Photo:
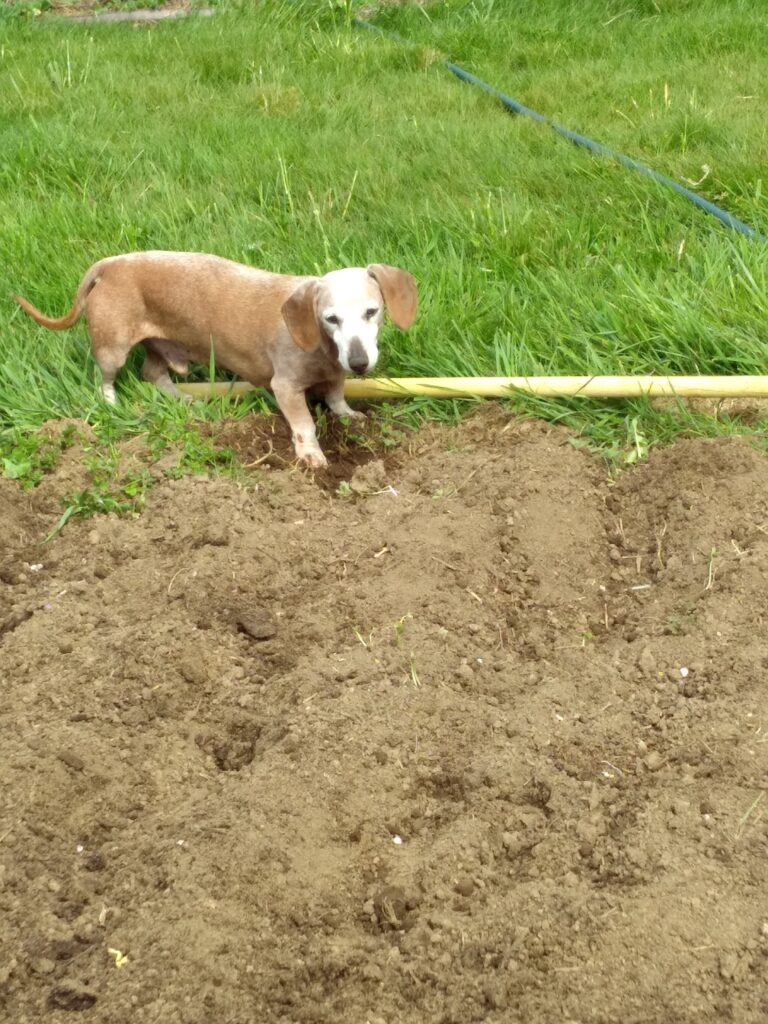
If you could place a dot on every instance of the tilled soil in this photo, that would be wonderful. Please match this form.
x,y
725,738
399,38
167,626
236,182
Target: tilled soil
x,y
482,737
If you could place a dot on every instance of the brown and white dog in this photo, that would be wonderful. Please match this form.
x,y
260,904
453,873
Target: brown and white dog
x,y
290,334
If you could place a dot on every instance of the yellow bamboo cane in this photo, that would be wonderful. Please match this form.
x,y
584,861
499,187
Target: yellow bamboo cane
x,y
505,387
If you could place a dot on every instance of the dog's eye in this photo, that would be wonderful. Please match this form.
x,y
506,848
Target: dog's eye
x,y
371,313
331,318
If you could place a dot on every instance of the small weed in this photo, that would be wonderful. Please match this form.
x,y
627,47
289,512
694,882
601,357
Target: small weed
x,y
744,819
28,457
619,453
361,639
25,8
112,490
109,491
639,444
346,8
399,628
196,455
681,622
714,554
381,434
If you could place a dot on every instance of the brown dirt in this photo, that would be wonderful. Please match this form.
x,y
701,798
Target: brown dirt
x,y
77,8
488,745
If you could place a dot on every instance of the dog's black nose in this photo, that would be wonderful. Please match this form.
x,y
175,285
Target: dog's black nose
x,y
358,360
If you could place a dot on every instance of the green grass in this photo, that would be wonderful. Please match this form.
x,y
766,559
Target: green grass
x,y
278,135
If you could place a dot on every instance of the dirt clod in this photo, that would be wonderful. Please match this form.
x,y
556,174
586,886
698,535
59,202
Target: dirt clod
x,y
257,625
71,760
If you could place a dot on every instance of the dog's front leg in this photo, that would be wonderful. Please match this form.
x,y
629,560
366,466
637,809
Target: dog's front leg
x,y
337,403
293,405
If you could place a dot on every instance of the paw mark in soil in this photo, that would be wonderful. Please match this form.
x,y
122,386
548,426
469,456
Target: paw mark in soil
x,y
241,744
446,784
538,794
15,619
71,995
233,752
392,909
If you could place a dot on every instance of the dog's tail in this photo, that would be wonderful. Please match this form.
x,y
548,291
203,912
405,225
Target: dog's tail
x,y
69,319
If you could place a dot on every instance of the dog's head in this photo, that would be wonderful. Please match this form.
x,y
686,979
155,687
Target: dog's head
x,y
347,306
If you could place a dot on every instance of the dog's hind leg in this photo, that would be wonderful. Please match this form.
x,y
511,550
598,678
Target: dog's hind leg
x,y
155,368
110,360
110,346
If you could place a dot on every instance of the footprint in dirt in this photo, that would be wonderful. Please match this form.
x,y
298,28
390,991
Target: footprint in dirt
x,y
240,745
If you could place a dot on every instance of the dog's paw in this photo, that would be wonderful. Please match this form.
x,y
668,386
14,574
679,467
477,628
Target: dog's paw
x,y
345,413
312,459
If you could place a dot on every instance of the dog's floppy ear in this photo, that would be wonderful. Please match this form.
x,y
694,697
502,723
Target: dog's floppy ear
x,y
300,314
399,290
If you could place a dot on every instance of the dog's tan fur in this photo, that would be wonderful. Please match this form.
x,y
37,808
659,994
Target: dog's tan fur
x,y
267,328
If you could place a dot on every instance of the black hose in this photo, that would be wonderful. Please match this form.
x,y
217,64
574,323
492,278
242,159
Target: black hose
x,y
581,140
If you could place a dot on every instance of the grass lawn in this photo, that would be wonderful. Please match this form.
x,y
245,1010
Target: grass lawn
x,y
279,135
